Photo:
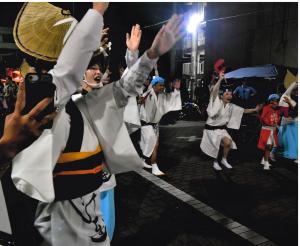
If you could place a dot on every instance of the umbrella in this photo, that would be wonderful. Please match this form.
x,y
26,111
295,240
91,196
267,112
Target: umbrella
x,y
266,71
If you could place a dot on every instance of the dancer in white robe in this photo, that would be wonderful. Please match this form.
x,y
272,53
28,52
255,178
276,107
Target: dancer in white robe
x,y
155,104
222,114
288,130
74,219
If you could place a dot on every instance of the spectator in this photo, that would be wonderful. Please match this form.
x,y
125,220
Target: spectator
x,y
244,93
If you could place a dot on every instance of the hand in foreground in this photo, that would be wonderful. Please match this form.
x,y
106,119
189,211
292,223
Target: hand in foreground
x,y
21,130
165,39
133,40
101,7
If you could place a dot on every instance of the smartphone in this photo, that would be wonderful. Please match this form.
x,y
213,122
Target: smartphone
x,y
39,87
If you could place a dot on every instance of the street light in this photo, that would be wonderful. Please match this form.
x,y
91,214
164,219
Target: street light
x,y
194,21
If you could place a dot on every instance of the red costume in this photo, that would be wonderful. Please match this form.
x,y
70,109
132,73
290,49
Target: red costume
x,y
270,119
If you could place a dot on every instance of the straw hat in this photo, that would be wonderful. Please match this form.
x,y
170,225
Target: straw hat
x,y
40,29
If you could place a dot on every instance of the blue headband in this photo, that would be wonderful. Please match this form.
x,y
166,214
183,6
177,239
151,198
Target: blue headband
x,y
157,80
273,97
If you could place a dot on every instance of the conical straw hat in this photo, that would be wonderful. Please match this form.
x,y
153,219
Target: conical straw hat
x,y
35,32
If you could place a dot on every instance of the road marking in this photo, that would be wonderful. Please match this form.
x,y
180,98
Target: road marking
x,y
190,138
228,223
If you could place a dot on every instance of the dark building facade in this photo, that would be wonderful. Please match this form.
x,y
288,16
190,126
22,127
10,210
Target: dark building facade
x,y
250,34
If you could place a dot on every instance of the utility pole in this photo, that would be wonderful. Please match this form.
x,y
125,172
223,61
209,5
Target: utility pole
x,y
195,57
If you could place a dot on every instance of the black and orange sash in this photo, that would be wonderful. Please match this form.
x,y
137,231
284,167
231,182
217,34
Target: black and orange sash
x,y
77,173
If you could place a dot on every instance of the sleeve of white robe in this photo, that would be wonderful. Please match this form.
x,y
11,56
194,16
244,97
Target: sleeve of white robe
x,y
131,111
171,101
4,223
131,83
287,93
214,107
236,117
75,56
32,168
131,57
105,109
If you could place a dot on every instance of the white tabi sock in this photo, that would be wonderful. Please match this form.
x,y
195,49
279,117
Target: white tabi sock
x,y
267,165
156,171
216,165
225,163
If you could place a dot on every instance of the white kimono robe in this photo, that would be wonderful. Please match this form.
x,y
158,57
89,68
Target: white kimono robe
x,y
32,168
152,111
131,111
220,115
102,111
282,103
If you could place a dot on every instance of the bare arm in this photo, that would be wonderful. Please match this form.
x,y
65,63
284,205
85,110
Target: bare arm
x,y
216,88
131,82
156,70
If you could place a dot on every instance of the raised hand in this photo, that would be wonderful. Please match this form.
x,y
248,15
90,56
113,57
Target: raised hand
x,y
100,7
165,39
133,40
104,39
21,130
221,75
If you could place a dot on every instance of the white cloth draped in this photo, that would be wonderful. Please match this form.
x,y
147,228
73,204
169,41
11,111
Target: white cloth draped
x,y
152,111
220,115
282,103
4,223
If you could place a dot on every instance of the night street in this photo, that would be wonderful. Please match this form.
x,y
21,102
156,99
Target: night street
x,y
149,123
196,205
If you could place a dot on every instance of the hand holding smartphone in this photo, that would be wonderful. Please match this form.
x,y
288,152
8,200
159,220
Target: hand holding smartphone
x,y
38,87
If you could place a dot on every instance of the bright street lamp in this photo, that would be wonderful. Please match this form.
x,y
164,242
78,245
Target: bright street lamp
x,y
194,21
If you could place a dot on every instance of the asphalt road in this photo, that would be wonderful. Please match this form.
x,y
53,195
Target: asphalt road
x,y
265,202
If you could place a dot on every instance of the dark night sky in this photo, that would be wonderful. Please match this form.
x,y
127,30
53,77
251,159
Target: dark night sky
x,y
119,18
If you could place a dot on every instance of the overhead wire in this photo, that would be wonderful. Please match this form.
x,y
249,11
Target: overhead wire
x,y
215,19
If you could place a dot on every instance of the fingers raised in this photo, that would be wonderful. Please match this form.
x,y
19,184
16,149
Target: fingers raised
x,y
39,107
136,30
105,31
171,21
177,22
21,98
